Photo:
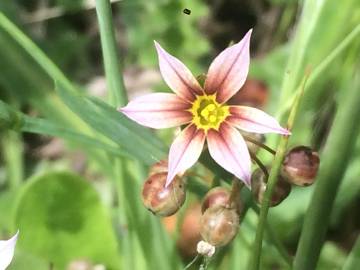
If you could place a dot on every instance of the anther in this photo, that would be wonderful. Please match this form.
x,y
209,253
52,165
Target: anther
x,y
212,118
211,107
205,113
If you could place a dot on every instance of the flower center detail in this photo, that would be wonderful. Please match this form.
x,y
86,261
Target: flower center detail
x,y
208,113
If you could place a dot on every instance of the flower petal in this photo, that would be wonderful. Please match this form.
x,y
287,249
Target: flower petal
x,y
177,76
7,249
185,151
228,148
228,71
254,120
158,110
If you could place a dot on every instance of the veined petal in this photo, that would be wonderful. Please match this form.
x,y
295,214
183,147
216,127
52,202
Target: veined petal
x,y
177,76
158,110
228,71
7,249
228,148
185,151
254,120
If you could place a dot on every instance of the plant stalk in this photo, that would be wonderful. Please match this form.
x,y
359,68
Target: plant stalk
x,y
273,177
113,69
336,157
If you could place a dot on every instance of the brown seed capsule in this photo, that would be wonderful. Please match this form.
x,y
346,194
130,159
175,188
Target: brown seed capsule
x,y
219,225
219,196
300,166
189,231
159,167
160,200
258,187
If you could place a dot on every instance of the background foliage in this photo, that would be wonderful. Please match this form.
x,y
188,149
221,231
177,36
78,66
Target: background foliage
x,y
72,167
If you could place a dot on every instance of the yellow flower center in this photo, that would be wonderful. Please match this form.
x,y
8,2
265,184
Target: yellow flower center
x,y
208,113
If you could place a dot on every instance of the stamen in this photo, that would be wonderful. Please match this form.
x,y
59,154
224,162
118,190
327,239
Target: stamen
x,y
211,107
208,113
205,113
212,118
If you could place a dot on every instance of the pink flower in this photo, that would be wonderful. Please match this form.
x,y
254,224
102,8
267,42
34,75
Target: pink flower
x,y
7,251
205,112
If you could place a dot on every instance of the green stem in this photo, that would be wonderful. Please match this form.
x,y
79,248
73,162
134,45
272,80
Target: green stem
x,y
117,97
273,177
12,147
112,65
260,164
311,12
336,156
273,238
260,144
35,52
324,64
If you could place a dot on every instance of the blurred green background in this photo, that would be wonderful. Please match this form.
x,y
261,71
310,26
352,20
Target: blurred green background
x,y
71,168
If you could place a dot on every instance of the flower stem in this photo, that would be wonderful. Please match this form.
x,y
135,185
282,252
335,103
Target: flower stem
x,y
263,146
336,157
273,238
113,69
235,190
273,177
260,164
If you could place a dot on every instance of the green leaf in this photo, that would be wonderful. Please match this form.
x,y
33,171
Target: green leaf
x,y
23,260
138,141
60,218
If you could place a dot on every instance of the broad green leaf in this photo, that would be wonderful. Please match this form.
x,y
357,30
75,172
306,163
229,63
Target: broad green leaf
x,y
61,218
23,260
138,141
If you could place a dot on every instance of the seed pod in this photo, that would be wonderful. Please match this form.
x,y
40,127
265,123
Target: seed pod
x,y
219,225
160,200
258,187
300,166
253,148
159,167
219,196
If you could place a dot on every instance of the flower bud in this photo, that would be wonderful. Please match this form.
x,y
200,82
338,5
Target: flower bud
x,y
159,167
219,225
160,200
220,196
84,265
300,166
258,186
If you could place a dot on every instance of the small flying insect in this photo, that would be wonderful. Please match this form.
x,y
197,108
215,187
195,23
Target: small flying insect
x,y
187,11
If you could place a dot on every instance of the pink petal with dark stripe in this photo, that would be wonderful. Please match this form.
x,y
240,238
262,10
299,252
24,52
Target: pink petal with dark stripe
x,y
158,110
228,71
177,76
228,148
254,120
185,151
